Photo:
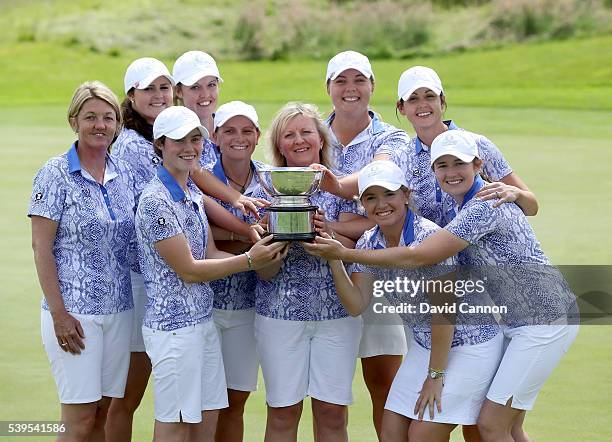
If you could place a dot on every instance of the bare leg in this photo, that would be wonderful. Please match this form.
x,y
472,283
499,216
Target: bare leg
x,y
170,431
204,431
422,431
518,434
331,421
496,421
82,420
394,427
230,427
471,433
282,423
378,374
121,411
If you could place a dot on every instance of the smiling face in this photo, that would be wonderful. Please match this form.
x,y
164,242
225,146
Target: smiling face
x,y
385,207
201,97
95,124
237,138
423,108
455,176
300,142
350,92
153,99
181,156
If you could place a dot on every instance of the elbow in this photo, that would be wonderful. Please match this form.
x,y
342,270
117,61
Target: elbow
x,y
189,277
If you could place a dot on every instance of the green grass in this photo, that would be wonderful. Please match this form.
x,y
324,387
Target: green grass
x,y
547,106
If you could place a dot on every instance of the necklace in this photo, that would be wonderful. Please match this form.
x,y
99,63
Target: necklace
x,y
242,186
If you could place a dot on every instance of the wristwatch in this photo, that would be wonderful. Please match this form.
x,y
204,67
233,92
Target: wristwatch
x,y
435,374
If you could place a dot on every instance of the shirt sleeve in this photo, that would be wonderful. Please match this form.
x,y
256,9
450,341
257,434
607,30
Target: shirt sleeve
x,y
477,219
362,243
156,220
495,165
48,193
392,142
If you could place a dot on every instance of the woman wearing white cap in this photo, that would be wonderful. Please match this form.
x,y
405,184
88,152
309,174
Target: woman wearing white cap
x,y
358,137
148,87
236,133
470,352
177,257
306,341
422,101
501,249
82,212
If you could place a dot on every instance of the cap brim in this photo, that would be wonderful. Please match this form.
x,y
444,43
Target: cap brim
x,y
337,73
466,158
407,93
180,132
226,119
151,78
386,184
192,79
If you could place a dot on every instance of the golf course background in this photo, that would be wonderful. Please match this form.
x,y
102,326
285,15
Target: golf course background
x,y
547,105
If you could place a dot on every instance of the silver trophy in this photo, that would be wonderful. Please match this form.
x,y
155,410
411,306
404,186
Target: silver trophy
x,y
291,212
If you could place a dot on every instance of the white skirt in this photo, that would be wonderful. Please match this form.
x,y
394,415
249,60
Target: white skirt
x,y
469,372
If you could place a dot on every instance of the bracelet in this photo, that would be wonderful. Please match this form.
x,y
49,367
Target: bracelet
x,y
435,374
249,260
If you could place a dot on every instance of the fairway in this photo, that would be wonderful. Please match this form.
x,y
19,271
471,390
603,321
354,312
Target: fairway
x,y
547,106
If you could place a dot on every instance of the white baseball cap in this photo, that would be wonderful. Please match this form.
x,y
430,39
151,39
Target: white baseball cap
x,y
458,143
417,77
175,122
193,65
381,173
348,60
143,71
233,109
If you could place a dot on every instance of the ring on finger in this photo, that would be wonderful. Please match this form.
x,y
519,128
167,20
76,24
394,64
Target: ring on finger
x,y
497,194
63,344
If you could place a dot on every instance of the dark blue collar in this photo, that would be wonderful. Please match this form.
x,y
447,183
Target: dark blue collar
x,y
218,171
377,125
170,183
478,184
418,145
407,231
74,164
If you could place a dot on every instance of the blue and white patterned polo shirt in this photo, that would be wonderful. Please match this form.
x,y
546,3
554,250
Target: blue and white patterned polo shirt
x,y
303,289
138,152
165,211
471,330
237,291
95,232
504,250
427,197
210,155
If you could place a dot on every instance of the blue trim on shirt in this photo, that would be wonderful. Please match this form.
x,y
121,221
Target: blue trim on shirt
x,y
377,125
476,186
407,231
219,172
170,183
418,146
74,164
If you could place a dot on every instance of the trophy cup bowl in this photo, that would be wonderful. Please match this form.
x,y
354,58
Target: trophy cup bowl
x,y
291,212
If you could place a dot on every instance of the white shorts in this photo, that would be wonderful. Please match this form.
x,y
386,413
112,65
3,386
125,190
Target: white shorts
x,y
307,358
140,301
102,367
378,338
530,357
237,336
187,370
469,372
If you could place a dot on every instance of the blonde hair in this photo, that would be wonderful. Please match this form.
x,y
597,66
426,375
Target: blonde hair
x,y
94,89
278,125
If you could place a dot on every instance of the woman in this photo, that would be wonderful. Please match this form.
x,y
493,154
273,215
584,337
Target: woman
x,y
82,212
447,369
306,341
236,133
177,257
359,137
148,87
499,245
422,101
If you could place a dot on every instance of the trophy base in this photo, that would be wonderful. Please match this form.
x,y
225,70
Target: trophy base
x,y
293,236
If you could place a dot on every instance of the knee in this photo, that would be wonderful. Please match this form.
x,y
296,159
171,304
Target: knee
x,y
490,430
125,405
331,416
82,427
284,418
